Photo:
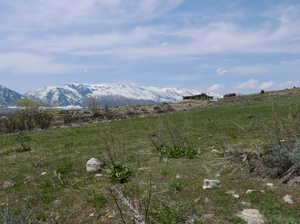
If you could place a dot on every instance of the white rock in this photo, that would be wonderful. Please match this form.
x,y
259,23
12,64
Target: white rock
x,y
249,191
98,175
43,173
233,194
252,216
210,184
271,185
93,165
8,184
288,199
248,204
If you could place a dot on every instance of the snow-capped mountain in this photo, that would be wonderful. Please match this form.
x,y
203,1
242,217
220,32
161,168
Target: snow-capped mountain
x,y
8,97
115,94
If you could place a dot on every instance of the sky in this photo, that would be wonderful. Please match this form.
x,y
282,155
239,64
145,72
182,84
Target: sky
x,y
212,45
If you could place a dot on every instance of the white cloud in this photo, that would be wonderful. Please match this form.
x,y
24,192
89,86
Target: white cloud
x,y
70,12
244,70
24,63
155,41
253,84
215,88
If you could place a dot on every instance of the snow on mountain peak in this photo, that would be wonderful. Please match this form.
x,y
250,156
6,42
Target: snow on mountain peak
x,y
75,94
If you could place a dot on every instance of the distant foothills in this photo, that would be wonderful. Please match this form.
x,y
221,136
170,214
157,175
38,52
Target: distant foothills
x,y
114,94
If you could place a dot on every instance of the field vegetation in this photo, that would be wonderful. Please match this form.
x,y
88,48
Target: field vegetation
x,y
155,167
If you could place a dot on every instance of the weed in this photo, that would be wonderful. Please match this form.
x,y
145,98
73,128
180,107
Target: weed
x,y
23,140
119,173
175,144
9,217
166,214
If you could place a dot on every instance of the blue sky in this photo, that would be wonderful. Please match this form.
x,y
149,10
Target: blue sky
x,y
214,45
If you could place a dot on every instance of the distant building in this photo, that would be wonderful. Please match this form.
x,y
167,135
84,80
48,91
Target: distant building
x,y
202,96
230,95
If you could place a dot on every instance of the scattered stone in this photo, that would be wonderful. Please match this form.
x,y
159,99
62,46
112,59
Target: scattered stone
x,y
210,184
192,219
57,203
252,216
94,165
207,216
206,200
233,194
8,184
143,168
28,179
98,175
43,173
288,199
247,204
294,182
215,151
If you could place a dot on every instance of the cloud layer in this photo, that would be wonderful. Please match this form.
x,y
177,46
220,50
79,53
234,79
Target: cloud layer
x,y
146,39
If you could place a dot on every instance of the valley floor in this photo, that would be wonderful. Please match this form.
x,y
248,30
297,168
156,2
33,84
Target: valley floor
x,y
50,183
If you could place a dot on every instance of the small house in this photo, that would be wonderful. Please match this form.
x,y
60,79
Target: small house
x,y
202,96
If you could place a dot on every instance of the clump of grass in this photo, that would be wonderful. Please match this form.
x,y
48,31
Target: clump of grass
x,y
172,143
9,217
117,169
119,173
26,120
280,156
24,141
167,214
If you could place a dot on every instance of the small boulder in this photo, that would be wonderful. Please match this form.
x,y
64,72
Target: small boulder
x,y
288,199
252,216
294,182
94,165
211,184
98,175
8,184
233,194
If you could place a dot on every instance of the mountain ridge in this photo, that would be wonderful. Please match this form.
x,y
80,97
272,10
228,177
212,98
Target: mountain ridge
x,y
110,94
9,97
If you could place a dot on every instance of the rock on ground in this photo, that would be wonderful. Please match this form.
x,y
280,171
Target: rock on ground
x,y
288,199
94,165
210,184
294,182
252,216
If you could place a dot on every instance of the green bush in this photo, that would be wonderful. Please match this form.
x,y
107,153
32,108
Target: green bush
x,y
27,120
24,142
9,217
177,151
119,173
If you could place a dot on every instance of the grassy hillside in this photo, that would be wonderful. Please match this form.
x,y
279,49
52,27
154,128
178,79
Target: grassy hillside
x,y
49,180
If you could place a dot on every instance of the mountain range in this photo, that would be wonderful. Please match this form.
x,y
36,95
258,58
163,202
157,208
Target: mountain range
x,y
9,97
115,94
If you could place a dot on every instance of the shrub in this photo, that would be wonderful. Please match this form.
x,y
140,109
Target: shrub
x,y
44,119
170,214
172,142
280,156
8,217
26,120
24,142
119,173
177,151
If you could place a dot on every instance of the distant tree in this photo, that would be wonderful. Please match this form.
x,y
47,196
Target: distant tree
x,y
28,104
93,103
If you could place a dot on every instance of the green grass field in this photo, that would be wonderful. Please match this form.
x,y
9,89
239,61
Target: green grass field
x,y
66,193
